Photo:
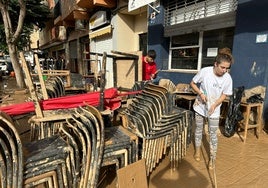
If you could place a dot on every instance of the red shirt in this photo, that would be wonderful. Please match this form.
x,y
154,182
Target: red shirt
x,y
148,69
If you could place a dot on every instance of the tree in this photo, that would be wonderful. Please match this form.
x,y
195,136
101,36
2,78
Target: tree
x,y
19,18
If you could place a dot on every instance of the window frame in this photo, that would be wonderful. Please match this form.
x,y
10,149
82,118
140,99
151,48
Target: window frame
x,y
199,56
225,34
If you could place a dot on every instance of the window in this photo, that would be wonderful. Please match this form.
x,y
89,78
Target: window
x,y
190,52
184,51
143,43
216,38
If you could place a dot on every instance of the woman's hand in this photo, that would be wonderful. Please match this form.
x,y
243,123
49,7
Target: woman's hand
x,y
203,97
212,109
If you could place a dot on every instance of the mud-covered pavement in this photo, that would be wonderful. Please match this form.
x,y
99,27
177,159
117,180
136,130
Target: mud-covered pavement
x,y
238,165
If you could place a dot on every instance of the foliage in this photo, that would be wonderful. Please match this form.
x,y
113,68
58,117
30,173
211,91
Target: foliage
x,y
37,14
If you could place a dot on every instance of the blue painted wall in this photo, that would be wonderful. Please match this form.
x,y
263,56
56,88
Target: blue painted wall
x,y
251,59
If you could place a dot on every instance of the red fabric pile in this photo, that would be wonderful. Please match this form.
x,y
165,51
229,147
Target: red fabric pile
x,y
112,101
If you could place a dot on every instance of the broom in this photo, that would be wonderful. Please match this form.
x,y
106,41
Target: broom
x,y
213,162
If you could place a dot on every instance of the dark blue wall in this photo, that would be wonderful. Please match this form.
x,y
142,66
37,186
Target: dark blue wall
x,y
251,58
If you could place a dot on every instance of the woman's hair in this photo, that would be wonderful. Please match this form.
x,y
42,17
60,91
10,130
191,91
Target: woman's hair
x,y
225,51
224,54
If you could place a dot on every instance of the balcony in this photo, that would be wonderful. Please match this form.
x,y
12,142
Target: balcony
x,y
93,3
71,10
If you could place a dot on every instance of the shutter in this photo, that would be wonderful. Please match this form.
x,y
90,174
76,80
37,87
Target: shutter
x,y
195,15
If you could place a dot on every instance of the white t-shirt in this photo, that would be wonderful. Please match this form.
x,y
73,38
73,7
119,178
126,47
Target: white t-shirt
x,y
213,87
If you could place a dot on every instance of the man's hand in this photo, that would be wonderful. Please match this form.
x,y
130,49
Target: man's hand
x,y
153,76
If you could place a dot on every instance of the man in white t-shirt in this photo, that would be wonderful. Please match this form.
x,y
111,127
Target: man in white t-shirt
x,y
212,84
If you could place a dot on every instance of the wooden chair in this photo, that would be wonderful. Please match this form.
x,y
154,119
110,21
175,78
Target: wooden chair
x,y
26,165
82,128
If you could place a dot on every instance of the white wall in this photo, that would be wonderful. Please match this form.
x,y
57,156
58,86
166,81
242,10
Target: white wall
x,y
124,38
126,31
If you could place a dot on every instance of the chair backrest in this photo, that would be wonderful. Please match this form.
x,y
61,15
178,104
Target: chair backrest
x,y
11,157
95,121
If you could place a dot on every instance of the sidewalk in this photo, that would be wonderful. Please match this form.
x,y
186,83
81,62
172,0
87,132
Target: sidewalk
x,y
238,165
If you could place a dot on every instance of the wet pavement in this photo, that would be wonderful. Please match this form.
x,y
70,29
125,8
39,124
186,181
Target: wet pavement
x,y
238,165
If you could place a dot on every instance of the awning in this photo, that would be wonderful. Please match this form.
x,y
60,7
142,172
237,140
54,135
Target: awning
x,y
99,32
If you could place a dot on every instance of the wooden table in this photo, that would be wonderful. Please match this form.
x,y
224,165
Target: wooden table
x,y
185,99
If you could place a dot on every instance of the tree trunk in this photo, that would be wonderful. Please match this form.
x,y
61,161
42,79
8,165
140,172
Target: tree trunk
x,y
13,35
16,65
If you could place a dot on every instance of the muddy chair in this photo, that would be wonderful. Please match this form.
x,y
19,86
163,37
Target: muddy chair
x,y
161,125
42,162
83,129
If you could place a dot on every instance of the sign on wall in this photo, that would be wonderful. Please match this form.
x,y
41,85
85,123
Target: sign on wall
x,y
134,4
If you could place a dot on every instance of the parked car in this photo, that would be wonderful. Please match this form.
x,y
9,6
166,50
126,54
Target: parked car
x,y
3,67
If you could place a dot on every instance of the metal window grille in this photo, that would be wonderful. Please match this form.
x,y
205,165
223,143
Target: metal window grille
x,y
180,11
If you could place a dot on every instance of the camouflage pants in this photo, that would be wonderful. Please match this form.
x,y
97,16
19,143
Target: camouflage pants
x,y
213,124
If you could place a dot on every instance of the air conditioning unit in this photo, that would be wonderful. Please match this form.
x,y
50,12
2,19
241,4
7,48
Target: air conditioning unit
x,y
58,32
98,19
80,24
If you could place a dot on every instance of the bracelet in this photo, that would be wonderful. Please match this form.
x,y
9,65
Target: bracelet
x,y
201,94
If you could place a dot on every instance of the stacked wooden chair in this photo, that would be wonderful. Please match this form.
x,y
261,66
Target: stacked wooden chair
x,y
162,126
121,147
83,129
45,161
54,87
70,155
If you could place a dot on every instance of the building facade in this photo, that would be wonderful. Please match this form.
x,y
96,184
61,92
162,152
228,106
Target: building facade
x,y
93,26
186,35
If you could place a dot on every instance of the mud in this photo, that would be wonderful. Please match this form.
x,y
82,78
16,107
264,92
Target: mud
x,y
238,164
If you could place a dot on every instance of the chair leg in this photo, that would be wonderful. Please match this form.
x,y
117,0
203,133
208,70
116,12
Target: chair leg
x,y
49,177
246,123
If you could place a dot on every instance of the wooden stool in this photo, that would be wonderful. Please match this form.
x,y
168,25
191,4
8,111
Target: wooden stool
x,y
245,124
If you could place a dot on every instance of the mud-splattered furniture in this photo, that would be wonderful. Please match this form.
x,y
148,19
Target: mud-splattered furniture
x,y
257,123
83,129
45,161
121,147
161,126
